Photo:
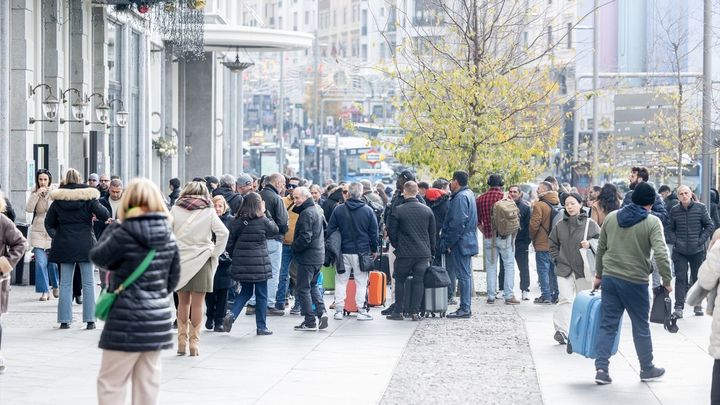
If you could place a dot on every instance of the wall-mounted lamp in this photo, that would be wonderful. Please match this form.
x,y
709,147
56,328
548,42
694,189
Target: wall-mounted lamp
x,y
49,105
78,108
121,117
101,110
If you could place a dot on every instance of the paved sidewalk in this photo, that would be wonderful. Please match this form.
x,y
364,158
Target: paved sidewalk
x,y
349,363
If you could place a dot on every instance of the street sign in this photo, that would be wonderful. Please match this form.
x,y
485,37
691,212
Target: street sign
x,y
371,171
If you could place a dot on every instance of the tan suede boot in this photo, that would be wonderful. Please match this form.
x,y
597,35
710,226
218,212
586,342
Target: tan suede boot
x,y
182,332
194,339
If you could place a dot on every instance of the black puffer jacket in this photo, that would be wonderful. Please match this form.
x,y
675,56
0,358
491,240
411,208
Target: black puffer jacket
x,y
333,200
222,278
309,244
275,207
250,258
412,232
233,199
140,319
69,222
689,228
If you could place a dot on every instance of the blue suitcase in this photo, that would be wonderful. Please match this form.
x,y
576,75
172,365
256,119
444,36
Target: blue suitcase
x,y
585,325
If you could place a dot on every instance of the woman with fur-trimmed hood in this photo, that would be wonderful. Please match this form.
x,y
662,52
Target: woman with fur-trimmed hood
x,y
69,221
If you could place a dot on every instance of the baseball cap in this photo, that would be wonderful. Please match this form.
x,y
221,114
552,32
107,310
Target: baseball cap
x,y
244,180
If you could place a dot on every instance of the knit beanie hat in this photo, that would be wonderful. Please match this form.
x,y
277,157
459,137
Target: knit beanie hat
x,y
644,194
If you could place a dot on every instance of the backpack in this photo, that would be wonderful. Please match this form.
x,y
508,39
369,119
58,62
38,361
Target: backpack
x,y
555,215
377,208
505,217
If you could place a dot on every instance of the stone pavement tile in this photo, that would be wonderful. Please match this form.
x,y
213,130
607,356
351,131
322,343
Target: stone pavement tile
x,y
346,387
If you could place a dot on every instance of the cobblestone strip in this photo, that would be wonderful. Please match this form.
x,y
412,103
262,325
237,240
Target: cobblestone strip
x,y
482,360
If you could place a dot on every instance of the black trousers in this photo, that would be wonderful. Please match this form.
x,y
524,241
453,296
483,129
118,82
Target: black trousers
x,y
715,390
216,303
308,292
682,262
415,267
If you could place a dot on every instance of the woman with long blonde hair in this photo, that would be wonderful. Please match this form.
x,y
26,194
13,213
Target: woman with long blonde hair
x,y
139,324
195,223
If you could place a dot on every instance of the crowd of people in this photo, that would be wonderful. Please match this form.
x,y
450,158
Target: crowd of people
x,y
221,246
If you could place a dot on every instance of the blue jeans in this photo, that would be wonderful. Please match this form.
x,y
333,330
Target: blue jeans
x,y
66,293
619,296
462,266
246,292
546,275
274,248
284,282
503,248
46,274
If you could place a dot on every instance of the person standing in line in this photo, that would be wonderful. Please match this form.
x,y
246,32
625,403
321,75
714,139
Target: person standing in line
x,y
284,279
138,326
573,232
251,264
46,273
495,245
69,222
522,241
272,190
12,250
540,228
174,191
458,240
309,253
413,236
607,201
629,238
216,301
358,229
689,229
194,224
709,278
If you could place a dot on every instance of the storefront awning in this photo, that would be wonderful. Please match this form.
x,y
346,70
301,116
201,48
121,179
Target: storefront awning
x,y
221,38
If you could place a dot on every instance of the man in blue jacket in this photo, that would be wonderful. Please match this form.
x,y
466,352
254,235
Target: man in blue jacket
x,y
459,239
358,226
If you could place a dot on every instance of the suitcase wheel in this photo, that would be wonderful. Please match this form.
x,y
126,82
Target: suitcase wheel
x,y
432,314
442,314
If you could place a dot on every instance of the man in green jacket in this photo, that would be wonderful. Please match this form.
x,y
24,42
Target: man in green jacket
x,y
628,239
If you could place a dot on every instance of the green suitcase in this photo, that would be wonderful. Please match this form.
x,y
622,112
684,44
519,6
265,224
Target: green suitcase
x,y
328,273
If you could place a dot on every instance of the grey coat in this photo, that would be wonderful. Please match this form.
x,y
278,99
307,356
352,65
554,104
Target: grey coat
x,y
565,239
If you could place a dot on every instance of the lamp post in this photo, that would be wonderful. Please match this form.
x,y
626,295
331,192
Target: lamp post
x,y
121,116
49,105
78,108
238,67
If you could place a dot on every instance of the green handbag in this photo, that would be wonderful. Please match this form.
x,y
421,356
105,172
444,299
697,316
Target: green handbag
x,y
107,299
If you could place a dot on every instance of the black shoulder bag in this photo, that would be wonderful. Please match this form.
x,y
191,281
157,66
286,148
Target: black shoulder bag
x,y
367,263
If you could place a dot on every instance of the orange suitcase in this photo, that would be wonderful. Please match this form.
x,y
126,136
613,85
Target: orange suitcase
x,y
377,289
350,305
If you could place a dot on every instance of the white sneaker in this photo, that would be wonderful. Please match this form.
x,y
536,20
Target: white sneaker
x,y
525,295
338,315
364,316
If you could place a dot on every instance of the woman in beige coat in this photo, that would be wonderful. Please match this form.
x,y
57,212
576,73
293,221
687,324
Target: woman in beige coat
x,y
46,274
708,278
195,222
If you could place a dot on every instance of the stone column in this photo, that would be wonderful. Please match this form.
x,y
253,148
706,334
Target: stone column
x,y
144,149
4,92
100,85
21,108
54,76
197,116
79,79
167,113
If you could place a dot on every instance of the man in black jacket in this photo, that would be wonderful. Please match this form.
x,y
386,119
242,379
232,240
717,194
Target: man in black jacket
x,y
275,208
358,228
227,190
309,253
412,233
690,227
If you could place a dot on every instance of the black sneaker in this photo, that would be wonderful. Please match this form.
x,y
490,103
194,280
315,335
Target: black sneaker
x,y
64,325
560,337
263,332
651,374
323,321
218,328
602,377
228,322
389,310
490,300
250,310
304,327
90,325
541,301
395,317
209,324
